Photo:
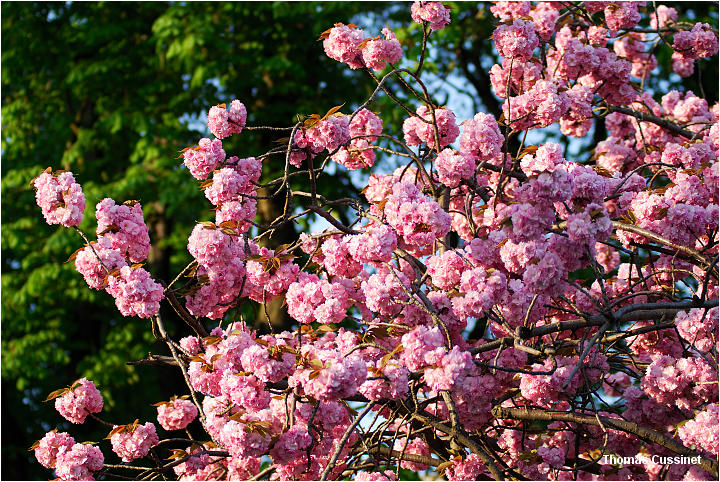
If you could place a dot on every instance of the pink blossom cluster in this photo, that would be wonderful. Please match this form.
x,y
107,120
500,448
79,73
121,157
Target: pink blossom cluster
x,y
135,292
78,462
312,299
220,273
621,15
632,48
80,401
223,123
134,442
122,237
700,42
330,134
60,198
359,153
265,280
542,105
452,370
702,430
96,261
507,9
377,51
233,190
468,468
176,414
452,167
375,244
516,40
435,13
421,129
204,158
699,328
124,226
415,217
683,382
371,476
550,389
481,138
337,376
519,76
342,44
416,446
544,16
347,44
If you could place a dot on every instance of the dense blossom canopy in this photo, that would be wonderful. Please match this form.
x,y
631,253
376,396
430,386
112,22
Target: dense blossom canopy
x,y
494,310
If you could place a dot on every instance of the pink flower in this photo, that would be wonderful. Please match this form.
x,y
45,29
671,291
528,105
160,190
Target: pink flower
x,y
135,292
229,183
698,327
416,446
191,344
330,134
377,52
469,468
78,462
417,218
47,448
176,414
265,280
505,9
684,382
516,40
328,375
481,138
544,16
337,259
420,129
389,381
241,213
270,364
60,198
223,123
700,42
622,15
446,269
243,439
204,158
452,166
291,444
82,400
96,261
435,13
376,244
342,45
134,441
615,383
454,367
423,347
247,391
553,456
359,152
702,431
520,78
542,105
124,226
212,246
664,14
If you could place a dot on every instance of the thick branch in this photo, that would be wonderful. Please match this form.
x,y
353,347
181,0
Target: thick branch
x,y
618,424
671,126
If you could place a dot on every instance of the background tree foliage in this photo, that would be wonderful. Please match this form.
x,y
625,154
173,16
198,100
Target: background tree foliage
x,y
110,91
